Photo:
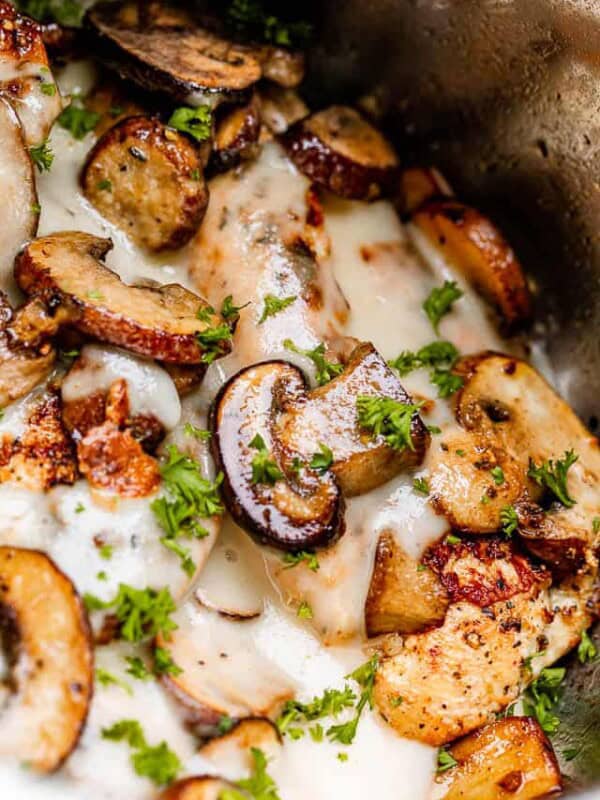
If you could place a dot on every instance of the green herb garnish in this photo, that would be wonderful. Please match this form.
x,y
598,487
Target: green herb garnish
x,y
325,370
264,469
158,763
273,305
552,475
389,418
301,557
42,156
322,460
142,613
541,697
196,122
440,301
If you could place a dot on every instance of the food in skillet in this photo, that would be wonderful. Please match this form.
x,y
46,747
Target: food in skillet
x,y
278,484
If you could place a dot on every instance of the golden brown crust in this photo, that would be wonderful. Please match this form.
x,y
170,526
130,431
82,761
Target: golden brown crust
x,y
43,456
236,136
475,248
511,757
65,269
52,658
147,179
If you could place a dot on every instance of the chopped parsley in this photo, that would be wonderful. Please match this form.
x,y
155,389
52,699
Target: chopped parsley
x,y
250,19
498,475
440,357
439,302
95,294
78,120
273,305
322,460
212,339
106,551
142,613
596,525
331,704
264,469
587,650
158,763
325,370
452,539
106,678
49,89
552,475
509,520
342,757
304,610
196,122
225,724
301,557
447,382
164,664
79,508
445,761
421,486
104,185
260,785
390,418
42,156
197,433
188,497
65,12
541,697
137,668
229,311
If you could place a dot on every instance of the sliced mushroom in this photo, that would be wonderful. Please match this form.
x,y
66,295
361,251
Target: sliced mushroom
x,y
21,210
473,246
171,54
27,82
509,415
109,455
112,100
507,758
328,415
147,179
403,596
224,670
418,185
230,753
202,787
26,355
278,64
41,455
339,149
236,136
280,108
66,269
46,632
291,510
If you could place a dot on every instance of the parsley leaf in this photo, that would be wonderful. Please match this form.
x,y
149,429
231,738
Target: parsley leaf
x,y
587,650
330,704
197,433
498,475
273,305
164,664
322,460
304,610
325,370
137,668
142,613
445,761
42,156
447,382
188,498
542,695
421,486
264,469
106,678
248,18
259,785
509,520
436,354
440,301
212,339
229,311
196,122
78,120
390,418
552,475
65,12
158,763
344,733
302,556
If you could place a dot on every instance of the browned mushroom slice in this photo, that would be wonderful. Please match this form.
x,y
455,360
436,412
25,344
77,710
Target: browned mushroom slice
x,y
419,184
280,108
328,415
278,64
26,78
475,248
403,597
236,136
509,415
242,683
339,149
162,323
508,758
42,455
46,633
113,102
230,753
147,179
202,787
21,210
171,54
286,508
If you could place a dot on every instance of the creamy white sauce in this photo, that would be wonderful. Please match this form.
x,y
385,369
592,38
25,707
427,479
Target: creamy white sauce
x,y
384,282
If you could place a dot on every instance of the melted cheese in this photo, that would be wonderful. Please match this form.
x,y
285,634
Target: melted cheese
x,y
365,260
